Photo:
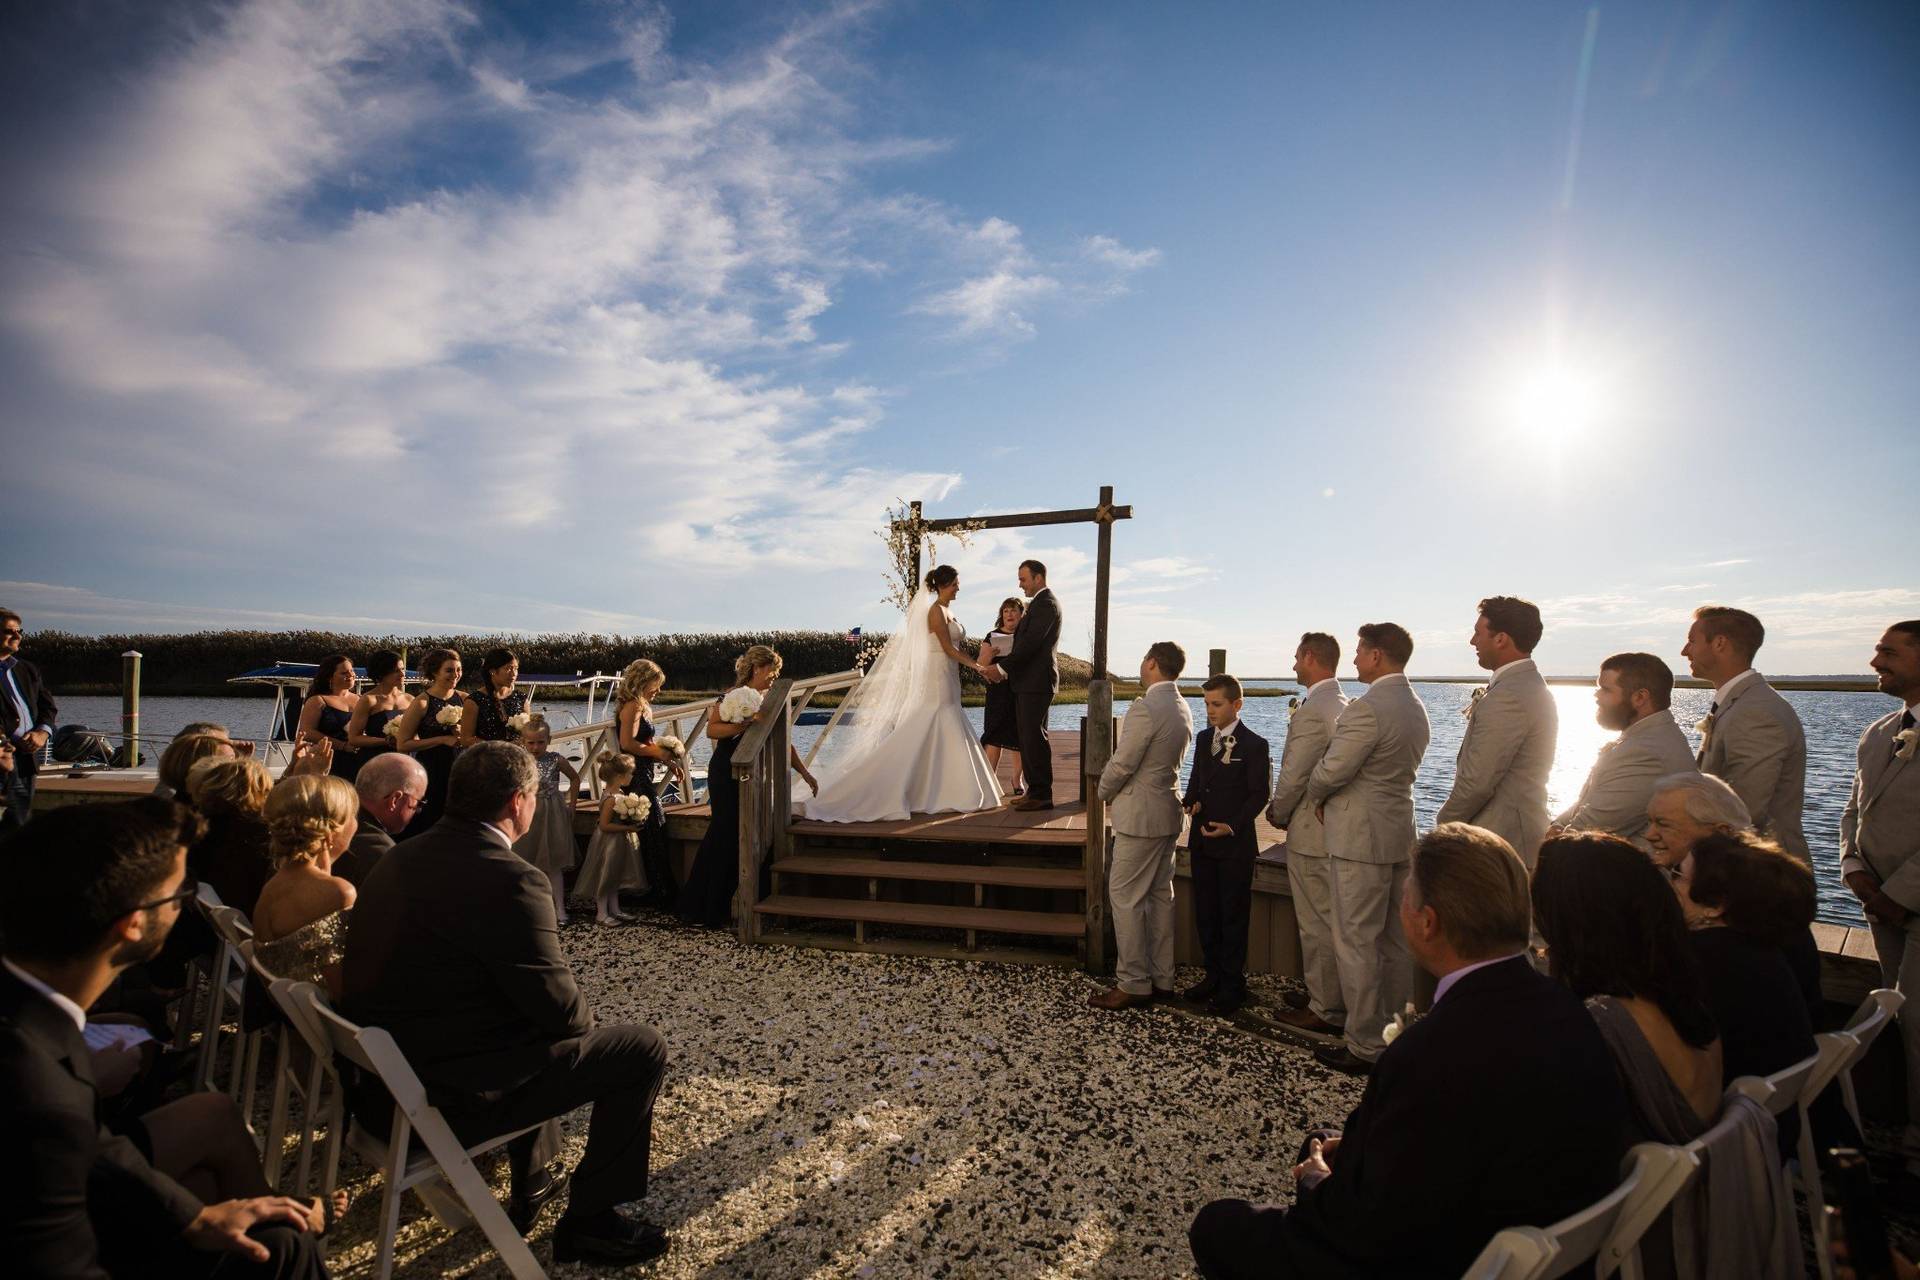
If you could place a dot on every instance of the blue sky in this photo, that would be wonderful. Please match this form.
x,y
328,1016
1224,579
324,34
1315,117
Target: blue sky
x,y
409,315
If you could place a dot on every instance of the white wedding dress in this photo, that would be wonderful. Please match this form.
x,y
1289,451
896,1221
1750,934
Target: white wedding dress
x,y
904,744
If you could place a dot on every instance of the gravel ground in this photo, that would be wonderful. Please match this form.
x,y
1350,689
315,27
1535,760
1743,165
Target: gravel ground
x,y
831,1115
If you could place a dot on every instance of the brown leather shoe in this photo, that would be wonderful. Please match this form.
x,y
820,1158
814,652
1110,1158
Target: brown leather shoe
x,y
1029,804
1165,993
1115,998
1306,1020
1295,999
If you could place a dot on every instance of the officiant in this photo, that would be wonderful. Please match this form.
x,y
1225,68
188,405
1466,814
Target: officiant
x,y
1002,731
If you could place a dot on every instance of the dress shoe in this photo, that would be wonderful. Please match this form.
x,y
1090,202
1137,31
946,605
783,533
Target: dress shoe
x,y
1115,998
1165,993
1295,999
549,1182
1306,1020
1027,804
1201,990
1225,1002
1341,1058
609,1237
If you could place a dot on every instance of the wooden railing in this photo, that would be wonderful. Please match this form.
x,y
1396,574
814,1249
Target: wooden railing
x,y
1096,748
760,770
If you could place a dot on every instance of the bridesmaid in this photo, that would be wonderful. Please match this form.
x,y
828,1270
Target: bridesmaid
x,y
639,683
707,897
495,701
435,744
328,710
384,702
1000,734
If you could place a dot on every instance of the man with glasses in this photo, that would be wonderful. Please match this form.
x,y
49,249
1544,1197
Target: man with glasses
x,y
27,717
91,891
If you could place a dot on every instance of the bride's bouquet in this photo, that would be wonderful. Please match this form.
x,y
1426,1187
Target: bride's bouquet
x,y
519,722
449,715
740,705
628,807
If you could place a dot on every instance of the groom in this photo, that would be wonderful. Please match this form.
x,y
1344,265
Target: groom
x,y
1032,671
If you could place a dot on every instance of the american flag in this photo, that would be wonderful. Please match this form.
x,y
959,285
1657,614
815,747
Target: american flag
x,y
853,636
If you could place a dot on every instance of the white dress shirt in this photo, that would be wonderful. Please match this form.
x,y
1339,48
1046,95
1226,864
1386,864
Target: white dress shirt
x,y
66,1005
1720,694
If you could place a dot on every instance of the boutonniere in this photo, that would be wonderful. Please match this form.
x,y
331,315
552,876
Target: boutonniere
x,y
1401,1021
1226,749
1705,727
1905,743
1473,702
1293,703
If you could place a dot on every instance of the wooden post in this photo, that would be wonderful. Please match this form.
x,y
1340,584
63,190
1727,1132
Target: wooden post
x,y
752,837
760,821
915,525
130,705
780,774
1216,663
1096,748
1103,573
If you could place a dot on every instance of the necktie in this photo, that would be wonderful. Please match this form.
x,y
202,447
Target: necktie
x,y
1906,723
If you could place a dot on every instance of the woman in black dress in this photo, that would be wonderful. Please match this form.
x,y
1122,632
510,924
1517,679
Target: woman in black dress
x,y
1000,733
496,701
328,710
707,897
379,706
432,733
633,723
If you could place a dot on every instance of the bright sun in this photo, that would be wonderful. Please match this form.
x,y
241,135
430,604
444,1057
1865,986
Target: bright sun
x,y
1555,401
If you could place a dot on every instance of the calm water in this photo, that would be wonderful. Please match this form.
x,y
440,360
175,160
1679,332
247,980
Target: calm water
x,y
1833,721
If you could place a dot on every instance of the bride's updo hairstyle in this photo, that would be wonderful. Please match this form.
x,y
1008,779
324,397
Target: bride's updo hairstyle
x,y
942,577
611,766
760,655
306,814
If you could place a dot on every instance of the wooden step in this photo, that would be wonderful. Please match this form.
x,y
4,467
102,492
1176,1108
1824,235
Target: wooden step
x,y
926,915
816,864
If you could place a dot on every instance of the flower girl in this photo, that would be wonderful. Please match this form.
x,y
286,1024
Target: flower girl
x,y
548,843
613,858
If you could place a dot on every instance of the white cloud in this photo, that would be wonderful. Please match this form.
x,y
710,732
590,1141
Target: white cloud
x,y
1105,249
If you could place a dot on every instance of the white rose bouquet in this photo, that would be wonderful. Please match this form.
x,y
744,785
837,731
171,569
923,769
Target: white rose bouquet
x,y
740,705
519,722
1401,1021
449,715
672,746
631,808
392,729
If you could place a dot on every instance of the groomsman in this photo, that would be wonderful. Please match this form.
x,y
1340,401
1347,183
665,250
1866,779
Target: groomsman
x,y
1500,779
1362,790
1232,777
1751,739
1141,786
1309,875
1632,697
1880,844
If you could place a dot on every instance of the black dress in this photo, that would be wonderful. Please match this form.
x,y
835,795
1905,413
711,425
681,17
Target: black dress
x,y
1000,730
437,761
377,722
490,722
346,760
655,856
707,897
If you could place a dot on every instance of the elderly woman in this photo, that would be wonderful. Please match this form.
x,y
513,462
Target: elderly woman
x,y
231,792
1686,806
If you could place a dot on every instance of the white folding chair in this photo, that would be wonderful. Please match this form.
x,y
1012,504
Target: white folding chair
x,y
1606,1233
1792,1088
1868,1021
297,1069
227,982
372,1049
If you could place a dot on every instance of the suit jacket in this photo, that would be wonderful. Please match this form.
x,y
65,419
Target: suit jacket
x,y
1499,1108
64,1171
1880,827
1141,783
1500,777
370,842
1309,732
1615,794
1233,792
454,951
1033,665
1366,776
1758,748
38,697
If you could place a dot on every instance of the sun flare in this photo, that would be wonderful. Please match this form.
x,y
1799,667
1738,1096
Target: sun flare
x,y
1555,401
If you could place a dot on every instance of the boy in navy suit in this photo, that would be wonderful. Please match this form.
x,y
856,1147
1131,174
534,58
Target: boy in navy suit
x,y
1229,787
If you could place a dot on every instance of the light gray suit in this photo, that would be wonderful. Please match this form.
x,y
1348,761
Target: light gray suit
x,y
1141,788
1365,780
1880,834
1500,777
1757,746
1615,794
1309,732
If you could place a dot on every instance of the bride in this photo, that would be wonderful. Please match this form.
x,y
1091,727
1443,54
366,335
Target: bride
x,y
904,745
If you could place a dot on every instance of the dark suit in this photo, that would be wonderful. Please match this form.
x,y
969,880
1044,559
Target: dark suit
x,y
1033,674
1500,1108
1234,792
454,952
16,790
64,1172
370,841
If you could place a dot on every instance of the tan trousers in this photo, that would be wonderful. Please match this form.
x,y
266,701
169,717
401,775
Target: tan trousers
x,y
1311,880
1140,883
1376,969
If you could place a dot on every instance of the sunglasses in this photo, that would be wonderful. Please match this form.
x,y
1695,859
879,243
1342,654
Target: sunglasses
x,y
188,888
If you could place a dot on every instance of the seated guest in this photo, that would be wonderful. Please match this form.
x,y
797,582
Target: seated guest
x,y
1499,1108
232,857
455,953
1686,806
390,787
300,920
1633,698
184,752
1616,938
92,889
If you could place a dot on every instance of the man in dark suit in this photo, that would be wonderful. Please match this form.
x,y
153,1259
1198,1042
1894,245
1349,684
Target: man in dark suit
x,y
1032,671
454,952
92,890
27,716
391,787
1499,1108
1231,781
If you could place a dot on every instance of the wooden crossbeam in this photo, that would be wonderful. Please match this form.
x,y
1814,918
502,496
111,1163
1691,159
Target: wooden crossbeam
x,y
1085,515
